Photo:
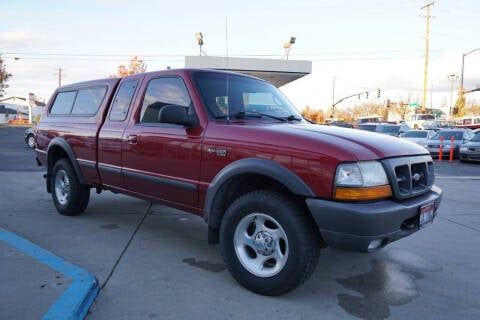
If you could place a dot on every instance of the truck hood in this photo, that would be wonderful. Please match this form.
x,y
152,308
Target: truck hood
x,y
343,144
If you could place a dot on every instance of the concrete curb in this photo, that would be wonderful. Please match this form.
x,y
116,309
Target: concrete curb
x,y
75,302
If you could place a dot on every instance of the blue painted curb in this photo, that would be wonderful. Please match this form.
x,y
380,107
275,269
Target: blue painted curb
x,y
75,302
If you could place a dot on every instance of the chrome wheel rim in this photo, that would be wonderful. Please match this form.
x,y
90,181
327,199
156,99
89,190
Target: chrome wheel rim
x,y
31,141
62,187
261,245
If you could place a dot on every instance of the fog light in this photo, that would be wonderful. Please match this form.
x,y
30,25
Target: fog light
x,y
375,245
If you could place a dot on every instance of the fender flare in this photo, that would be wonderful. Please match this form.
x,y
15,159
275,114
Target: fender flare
x,y
65,146
265,167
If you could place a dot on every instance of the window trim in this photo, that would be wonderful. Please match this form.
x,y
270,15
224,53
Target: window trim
x,y
138,83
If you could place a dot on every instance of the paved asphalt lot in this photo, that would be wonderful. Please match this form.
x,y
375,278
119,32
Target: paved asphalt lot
x,y
153,262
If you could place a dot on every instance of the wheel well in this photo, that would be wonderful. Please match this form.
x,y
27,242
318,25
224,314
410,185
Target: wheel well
x,y
54,154
237,186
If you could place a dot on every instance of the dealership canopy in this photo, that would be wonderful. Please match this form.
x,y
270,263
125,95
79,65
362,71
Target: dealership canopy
x,y
276,71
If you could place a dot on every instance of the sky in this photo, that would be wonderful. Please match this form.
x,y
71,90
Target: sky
x,y
354,45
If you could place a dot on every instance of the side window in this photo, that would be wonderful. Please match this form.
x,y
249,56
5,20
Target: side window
x,y
63,102
161,92
122,101
88,100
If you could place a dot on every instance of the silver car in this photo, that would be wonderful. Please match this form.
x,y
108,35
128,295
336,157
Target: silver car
x,y
460,136
418,136
470,151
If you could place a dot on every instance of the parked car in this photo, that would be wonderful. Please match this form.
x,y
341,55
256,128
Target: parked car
x,y
369,119
470,151
341,124
368,126
30,137
418,136
392,129
460,136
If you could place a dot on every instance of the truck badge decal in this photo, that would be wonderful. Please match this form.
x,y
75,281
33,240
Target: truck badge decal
x,y
218,152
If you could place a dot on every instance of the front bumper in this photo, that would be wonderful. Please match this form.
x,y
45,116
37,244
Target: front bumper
x,y
469,156
353,226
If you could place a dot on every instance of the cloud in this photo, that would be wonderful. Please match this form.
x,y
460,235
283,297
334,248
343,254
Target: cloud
x,y
19,39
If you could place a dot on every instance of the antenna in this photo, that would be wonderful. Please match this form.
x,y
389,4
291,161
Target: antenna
x,y
226,65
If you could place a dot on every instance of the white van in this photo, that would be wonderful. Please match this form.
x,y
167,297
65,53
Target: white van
x,y
417,121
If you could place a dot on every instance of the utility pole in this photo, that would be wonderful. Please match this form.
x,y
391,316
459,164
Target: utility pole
x,y
427,38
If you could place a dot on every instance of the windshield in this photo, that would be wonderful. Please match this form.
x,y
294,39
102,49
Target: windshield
x,y
388,129
234,96
367,127
415,134
476,137
447,135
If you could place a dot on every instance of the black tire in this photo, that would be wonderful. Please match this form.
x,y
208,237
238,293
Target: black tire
x,y
269,244
31,141
69,196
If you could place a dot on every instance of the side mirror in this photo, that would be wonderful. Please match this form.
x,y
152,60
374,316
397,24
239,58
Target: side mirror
x,y
176,114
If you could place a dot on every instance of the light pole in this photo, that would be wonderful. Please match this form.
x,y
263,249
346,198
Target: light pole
x,y
288,45
452,78
199,37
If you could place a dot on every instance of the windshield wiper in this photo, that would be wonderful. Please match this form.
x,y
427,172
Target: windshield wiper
x,y
293,117
243,114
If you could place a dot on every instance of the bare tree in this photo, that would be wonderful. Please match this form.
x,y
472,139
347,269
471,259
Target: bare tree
x,y
4,75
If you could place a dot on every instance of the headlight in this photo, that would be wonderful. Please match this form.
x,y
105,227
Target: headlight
x,y
363,180
463,149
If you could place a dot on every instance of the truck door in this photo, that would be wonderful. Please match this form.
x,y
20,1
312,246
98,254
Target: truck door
x,y
162,160
111,133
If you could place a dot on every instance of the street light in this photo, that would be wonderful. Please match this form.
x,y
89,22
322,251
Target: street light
x,y
452,77
199,37
288,45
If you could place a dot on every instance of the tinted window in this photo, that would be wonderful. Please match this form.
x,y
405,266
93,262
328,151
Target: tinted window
x,y
367,127
415,134
389,129
88,100
63,102
161,92
122,101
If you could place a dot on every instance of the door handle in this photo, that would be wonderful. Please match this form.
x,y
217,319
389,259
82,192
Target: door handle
x,y
132,139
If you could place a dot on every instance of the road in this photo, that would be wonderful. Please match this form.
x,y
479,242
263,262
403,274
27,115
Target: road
x,y
153,262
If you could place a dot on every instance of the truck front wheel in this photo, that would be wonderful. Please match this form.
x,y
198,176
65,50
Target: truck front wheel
x,y
269,244
69,196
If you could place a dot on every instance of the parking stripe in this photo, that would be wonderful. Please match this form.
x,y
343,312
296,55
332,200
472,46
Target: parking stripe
x,y
75,302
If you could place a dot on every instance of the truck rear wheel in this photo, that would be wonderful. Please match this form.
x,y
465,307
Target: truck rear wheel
x,y
69,196
269,245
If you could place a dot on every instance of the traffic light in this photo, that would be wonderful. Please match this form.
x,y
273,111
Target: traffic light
x,y
367,94
378,93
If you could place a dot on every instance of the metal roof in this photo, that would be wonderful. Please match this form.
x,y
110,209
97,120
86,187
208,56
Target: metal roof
x,y
276,71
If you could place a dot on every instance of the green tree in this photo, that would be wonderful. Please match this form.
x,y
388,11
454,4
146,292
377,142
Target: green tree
x,y
4,75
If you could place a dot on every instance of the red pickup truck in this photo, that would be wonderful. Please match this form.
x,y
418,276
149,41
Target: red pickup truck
x,y
272,187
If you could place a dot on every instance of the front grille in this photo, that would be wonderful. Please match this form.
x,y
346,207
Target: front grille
x,y
409,176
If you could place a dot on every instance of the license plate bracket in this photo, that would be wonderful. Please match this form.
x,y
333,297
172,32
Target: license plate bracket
x,y
426,215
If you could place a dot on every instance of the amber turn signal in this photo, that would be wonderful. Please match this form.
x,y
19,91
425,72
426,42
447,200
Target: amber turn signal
x,y
362,194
